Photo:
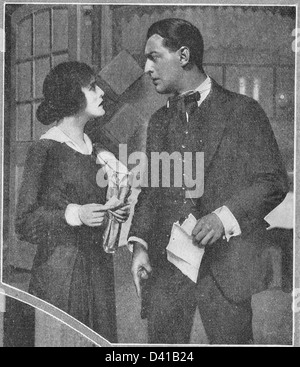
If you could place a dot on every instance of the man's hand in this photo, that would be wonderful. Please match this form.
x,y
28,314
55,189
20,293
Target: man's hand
x,y
140,266
121,215
208,230
92,215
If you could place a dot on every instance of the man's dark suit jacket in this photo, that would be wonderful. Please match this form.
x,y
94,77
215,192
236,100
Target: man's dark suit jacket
x,y
243,170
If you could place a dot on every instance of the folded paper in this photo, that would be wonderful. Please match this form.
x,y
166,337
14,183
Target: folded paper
x,y
182,252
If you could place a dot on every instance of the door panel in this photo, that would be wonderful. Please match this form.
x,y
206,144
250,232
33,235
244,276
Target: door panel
x,y
24,38
60,29
41,39
42,32
24,114
24,85
42,68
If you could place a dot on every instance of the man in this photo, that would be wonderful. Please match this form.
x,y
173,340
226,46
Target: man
x,y
244,179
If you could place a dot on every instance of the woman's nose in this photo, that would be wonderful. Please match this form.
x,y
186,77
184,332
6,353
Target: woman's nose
x,y
100,91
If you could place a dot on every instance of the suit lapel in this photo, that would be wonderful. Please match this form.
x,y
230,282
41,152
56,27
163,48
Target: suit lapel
x,y
212,116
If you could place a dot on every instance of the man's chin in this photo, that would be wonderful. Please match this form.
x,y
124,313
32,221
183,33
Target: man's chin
x,y
159,89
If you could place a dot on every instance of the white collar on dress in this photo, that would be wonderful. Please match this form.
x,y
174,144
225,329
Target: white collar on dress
x,y
58,135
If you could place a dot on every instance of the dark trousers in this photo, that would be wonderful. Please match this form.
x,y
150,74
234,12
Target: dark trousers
x,y
172,301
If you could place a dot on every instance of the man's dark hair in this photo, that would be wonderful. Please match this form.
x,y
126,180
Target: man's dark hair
x,y
177,33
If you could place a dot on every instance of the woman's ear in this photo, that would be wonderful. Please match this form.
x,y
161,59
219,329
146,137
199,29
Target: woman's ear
x,y
184,54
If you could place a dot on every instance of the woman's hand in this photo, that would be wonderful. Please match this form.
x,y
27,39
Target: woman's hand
x,y
93,215
121,215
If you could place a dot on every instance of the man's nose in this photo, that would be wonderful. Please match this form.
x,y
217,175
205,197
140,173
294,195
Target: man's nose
x,y
148,67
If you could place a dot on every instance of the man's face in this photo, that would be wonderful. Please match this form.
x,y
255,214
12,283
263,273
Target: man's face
x,y
163,66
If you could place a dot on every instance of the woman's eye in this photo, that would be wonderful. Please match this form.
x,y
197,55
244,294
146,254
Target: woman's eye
x,y
93,86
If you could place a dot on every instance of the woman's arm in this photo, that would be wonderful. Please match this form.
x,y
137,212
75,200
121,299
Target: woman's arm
x,y
34,222
37,223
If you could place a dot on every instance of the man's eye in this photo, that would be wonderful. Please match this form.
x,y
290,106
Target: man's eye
x,y
153,58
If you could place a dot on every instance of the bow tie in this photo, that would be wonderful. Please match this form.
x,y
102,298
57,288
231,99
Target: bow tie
x,y
184,104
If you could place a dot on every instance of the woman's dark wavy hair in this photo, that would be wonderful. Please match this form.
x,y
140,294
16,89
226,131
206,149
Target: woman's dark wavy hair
x,y
62,92
177,33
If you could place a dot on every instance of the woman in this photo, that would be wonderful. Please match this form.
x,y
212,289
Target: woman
x,y
61,207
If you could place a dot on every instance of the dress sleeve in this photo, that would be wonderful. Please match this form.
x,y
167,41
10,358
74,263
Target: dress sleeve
x,y
36,223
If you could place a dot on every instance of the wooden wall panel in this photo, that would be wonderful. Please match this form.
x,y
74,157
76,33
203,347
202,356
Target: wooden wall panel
x,y
255,82
216,72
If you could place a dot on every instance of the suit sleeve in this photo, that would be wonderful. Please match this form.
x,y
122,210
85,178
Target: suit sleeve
x,y
36,223
267,178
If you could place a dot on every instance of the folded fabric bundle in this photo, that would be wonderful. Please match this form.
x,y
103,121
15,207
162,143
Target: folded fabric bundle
x,y
118,192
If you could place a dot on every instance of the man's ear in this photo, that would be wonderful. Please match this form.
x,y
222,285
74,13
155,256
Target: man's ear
x,y
184,54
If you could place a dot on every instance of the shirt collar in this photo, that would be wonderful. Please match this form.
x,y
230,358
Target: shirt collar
x,y
204,90
205,86
58,135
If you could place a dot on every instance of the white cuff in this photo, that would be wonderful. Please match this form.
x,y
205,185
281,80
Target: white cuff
x,y
136,239
72,215
231,225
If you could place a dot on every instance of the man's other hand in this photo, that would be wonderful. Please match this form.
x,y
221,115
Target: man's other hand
x,y
208,230
140,266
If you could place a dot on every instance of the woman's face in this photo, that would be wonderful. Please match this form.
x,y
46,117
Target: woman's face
x,y
94,99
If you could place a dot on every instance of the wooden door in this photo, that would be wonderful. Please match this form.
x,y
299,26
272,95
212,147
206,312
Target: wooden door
x,y
42,36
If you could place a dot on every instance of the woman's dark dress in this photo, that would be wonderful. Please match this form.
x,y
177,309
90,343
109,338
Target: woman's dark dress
x,y
70,269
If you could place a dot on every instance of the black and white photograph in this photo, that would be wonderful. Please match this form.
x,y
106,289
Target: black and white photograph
x,y
149,175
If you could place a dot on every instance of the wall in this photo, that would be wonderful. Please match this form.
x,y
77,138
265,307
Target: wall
x,y
247,50
250,46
